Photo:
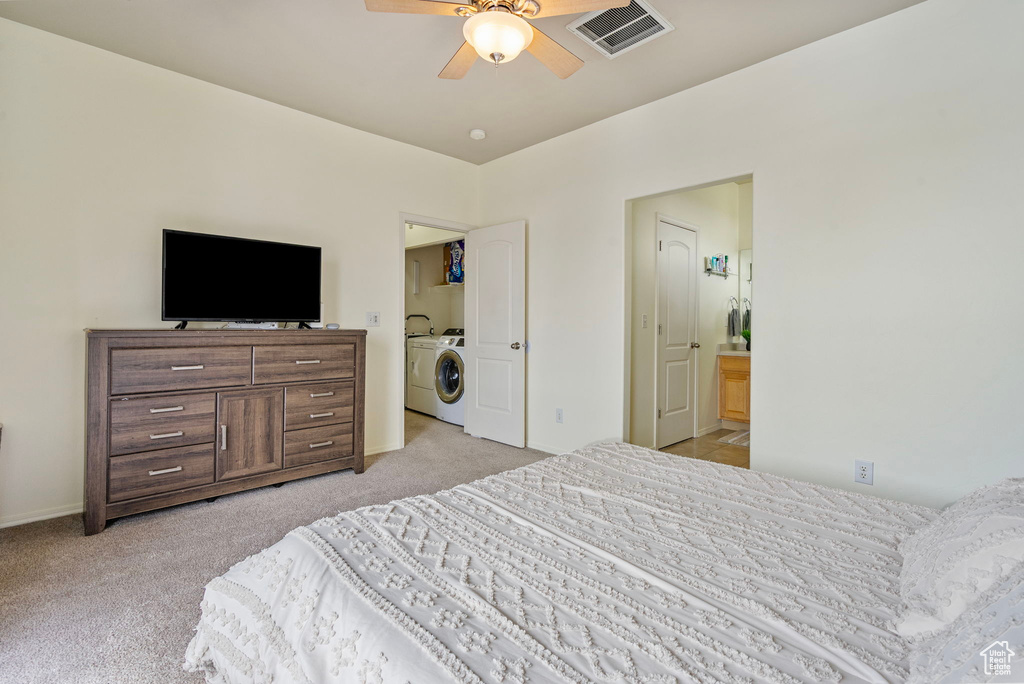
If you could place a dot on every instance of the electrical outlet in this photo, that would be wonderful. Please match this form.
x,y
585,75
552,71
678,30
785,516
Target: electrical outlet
x,y
558,415
864,472
373,319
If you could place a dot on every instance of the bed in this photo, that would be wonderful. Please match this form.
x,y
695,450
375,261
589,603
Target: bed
x,y
612,563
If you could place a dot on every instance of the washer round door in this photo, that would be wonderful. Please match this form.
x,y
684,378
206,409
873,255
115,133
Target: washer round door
x,y
448,376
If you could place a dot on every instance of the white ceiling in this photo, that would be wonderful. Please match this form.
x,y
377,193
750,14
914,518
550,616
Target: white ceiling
x,y
378,72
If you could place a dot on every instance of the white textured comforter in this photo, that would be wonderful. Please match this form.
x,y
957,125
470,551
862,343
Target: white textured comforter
x,y
612,563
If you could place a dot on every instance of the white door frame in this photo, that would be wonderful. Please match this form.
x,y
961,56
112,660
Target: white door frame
x,y
659,218
403,219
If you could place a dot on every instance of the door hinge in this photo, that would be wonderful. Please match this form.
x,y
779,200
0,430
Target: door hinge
x,y
659,245
659,328
659,414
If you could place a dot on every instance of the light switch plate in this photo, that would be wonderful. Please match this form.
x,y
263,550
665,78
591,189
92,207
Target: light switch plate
x,y
373,319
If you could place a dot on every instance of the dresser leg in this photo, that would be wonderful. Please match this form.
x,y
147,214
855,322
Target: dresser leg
x,y
212,499
278,485
94,524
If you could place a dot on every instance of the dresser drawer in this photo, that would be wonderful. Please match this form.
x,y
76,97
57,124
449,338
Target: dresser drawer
x,y
317,444
159,370
140,475
322,404
148,423
299,362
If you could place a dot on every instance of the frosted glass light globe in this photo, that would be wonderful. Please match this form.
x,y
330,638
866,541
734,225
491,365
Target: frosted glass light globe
x,y
497,36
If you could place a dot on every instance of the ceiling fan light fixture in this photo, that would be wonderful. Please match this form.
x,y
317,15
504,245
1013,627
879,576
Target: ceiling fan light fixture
x,y
498,36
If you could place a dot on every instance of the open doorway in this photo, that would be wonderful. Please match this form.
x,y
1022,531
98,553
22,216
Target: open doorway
x,y
433,306
689,298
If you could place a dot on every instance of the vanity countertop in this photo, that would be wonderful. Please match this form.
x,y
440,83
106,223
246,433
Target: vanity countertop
x,y
733,349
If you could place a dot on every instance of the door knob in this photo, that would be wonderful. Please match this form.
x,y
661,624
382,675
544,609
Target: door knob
x,y
516,345
695,345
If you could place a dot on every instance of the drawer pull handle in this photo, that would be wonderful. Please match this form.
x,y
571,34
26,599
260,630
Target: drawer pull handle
x,y
167,410
165,471
223,437
317,395
179,433
302,363
321,415
320,444
176,368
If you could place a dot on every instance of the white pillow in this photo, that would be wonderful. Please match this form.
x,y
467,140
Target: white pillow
x,y
950,561
984,644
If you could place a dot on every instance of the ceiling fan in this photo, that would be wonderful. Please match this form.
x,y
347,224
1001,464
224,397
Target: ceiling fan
x,y
497,30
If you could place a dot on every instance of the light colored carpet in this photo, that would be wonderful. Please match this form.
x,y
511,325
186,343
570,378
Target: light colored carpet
x,y
120,606
738,438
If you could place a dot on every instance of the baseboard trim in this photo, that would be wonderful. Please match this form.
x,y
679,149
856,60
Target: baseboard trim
x,y
545,448
708,430
373,451
36,516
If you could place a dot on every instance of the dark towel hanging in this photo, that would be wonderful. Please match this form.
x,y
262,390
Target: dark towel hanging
x,y
734,322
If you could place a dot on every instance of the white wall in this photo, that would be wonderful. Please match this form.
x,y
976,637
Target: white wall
x,y
99,153
895,149
715,211
445,307
746,214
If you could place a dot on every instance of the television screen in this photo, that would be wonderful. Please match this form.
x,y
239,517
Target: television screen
x,y
217,278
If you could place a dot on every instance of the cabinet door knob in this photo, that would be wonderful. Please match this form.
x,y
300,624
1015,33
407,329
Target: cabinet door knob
x,y
223,437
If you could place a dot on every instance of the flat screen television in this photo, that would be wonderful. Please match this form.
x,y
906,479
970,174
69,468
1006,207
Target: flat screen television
x,y
218,278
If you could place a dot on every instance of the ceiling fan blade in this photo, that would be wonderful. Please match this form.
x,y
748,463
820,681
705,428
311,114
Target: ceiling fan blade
x,y
552,55
551,8
413,7
458,66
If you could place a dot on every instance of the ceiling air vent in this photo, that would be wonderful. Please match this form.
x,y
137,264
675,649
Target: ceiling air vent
x,y
621,29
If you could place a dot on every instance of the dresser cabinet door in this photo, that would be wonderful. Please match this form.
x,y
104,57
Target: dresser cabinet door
x,y
250,427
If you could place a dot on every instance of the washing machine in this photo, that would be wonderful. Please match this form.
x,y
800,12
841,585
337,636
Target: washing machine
x,y
420,356
450,377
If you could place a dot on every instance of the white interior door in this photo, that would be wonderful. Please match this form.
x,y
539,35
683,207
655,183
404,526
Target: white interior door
x,y
677,334
495,349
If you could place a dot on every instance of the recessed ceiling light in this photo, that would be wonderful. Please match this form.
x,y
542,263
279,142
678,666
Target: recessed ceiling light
x,y
478,134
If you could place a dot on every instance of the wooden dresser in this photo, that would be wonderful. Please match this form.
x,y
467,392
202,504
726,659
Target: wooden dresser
x,y
182,415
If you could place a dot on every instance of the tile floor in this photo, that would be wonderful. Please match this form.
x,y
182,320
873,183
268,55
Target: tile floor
x,y
709,448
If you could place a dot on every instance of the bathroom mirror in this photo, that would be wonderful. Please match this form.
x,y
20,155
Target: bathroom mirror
x,y
746,279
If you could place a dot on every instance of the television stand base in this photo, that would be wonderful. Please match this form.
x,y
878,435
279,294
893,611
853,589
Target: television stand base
x,y
252,326
181,326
